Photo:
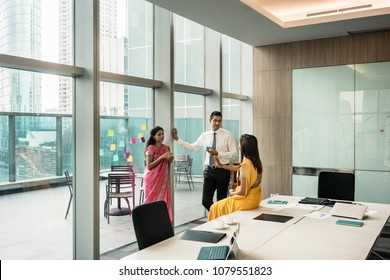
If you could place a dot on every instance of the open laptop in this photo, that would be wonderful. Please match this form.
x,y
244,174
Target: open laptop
x,y
222,252
352,211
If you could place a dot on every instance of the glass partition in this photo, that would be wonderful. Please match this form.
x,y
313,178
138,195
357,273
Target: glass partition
x,y
341,120
323,130
372,116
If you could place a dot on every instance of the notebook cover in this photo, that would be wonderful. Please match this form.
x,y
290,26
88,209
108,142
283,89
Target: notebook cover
x,y
203,236
273,218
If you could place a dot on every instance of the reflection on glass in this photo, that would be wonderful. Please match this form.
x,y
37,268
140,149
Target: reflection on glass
x,y
231,111
189,121
125,123
323,129
189,52
341,120
126,37
372,122
34,29
231,65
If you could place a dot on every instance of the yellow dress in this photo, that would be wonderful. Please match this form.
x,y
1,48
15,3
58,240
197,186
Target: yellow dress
x,y
250,200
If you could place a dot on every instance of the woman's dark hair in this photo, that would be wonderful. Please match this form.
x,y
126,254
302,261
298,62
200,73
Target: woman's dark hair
x,y
153,132
250,150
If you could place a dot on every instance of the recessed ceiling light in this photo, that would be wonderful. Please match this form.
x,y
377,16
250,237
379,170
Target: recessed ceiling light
x,y
289,13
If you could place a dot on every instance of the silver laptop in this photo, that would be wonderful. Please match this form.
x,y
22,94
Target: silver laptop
x,y
349,210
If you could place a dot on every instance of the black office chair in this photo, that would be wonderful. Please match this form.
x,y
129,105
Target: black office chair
x,y
336,185
69,182
151,223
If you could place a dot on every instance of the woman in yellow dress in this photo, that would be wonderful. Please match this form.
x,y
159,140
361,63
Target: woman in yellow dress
x,y
247,194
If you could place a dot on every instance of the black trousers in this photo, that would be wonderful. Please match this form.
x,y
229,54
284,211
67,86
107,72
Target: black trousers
x,y
216,179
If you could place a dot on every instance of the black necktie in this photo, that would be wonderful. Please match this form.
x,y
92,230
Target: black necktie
x,y
212,160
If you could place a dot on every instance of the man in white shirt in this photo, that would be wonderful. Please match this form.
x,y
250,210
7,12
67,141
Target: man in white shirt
x,y
224,146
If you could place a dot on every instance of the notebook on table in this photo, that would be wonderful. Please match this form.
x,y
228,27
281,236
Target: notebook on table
x,y
223,252
273,218
203,236
316,201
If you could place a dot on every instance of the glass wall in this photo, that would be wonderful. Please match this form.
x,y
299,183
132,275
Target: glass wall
x,y
340,122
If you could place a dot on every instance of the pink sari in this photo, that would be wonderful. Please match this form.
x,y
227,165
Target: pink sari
x,y
156,181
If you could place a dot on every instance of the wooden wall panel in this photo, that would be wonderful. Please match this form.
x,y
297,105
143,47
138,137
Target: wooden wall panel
x,y
372,47
324,52
272,97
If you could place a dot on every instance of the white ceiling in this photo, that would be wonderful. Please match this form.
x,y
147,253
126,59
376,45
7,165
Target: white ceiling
x,y
237,20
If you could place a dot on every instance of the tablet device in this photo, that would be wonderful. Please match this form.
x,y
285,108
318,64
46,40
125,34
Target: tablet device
x,y
203,236
273,218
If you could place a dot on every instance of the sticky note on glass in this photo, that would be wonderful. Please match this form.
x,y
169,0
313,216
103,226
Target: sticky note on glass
x,y
121,144
143,126
140,135
130,159
101,152
142,139
112,147
115,158
127,155
133,141
111,132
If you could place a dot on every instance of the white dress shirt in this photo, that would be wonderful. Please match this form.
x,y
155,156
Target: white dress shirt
x,y
225,145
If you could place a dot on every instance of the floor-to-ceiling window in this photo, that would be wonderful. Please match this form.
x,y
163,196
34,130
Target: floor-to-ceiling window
x,y
37,105
36,128
189,110
126,48
231,84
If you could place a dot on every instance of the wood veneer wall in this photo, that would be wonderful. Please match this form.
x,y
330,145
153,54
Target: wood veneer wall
x,y
272,98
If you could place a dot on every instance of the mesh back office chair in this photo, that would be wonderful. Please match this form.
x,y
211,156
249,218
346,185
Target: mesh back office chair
x,y
69,182
336,185
151,223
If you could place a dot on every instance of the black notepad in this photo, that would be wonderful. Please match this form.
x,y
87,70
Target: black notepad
x,y
317,201
203,236
273,218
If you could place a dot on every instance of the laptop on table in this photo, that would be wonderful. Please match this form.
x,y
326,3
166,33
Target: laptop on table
x,y
223,252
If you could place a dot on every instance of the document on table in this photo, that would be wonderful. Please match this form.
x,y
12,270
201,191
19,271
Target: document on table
x,y
318,215
309,206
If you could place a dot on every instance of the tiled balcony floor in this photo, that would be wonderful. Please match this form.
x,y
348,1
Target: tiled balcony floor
x,y
33,224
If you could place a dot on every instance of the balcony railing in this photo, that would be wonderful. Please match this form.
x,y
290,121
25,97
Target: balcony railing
x,y
37,146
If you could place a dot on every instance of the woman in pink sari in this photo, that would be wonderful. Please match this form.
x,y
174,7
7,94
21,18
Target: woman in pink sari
x,y
158,157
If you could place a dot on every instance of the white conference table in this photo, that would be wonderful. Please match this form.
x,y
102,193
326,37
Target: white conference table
x,y
299,238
